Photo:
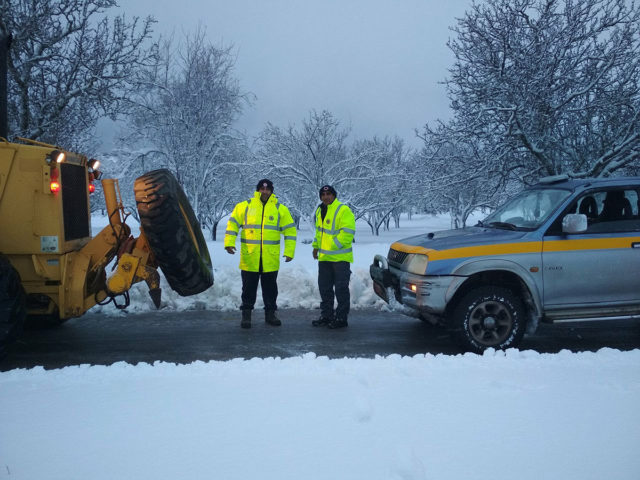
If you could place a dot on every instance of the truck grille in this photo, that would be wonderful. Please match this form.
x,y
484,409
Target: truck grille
x,y
75,208
395,256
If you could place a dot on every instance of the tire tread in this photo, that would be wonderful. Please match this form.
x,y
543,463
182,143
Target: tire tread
x,y
160,201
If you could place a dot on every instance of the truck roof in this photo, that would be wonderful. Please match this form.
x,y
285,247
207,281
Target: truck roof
x,y
564,181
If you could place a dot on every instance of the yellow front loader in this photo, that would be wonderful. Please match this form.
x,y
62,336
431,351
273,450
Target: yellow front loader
x,y
51,266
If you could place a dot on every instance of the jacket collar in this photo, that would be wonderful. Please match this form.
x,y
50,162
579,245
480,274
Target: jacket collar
x,y
272,198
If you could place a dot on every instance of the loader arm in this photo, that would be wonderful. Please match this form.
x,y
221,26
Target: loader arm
x,y
135,262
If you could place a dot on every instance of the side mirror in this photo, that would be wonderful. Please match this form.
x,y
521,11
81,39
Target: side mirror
x,y
574,223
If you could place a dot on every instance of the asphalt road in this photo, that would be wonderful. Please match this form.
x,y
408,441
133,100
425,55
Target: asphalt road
x,y
184,337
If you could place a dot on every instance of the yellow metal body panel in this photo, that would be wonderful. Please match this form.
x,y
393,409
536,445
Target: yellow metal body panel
x,y
6,162
65,275
31,220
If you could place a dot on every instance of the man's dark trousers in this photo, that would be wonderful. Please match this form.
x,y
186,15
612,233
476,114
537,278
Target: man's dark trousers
x,y
334,275
250,289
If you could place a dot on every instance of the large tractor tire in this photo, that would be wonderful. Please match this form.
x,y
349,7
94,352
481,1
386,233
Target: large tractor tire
x,y
12,305
173,232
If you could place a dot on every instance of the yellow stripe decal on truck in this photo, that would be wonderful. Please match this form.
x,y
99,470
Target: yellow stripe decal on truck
x,y
519,248
589,244
475,251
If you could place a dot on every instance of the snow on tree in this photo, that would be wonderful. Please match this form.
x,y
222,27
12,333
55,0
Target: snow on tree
x,y
183,120
557,82
365,174
69,65
376,198
302,160
462,173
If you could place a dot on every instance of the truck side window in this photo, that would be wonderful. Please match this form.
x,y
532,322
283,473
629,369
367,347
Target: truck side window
x,y
618,213
607,211
588,207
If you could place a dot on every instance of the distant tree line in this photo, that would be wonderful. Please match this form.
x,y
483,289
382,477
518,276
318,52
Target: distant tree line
x,y
538,87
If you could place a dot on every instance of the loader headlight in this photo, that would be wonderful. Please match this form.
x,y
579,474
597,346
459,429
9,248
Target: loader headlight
x,y
93,165
56,157
416,263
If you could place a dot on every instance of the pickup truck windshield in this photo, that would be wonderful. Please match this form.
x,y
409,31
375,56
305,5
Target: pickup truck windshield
x,y
526,211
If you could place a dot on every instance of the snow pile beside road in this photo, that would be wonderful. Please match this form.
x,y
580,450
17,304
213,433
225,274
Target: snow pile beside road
x,y
297,284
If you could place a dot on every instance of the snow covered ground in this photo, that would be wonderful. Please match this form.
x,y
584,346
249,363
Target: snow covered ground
x,y
502,415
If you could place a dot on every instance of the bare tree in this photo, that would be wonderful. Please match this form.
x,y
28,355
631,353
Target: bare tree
x,y
463,174
183,120
381,183
367,174
305,159
69,65
557,82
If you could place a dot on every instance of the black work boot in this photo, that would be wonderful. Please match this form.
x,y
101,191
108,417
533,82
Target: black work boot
x,y
271,319
338,323
246,319
321,322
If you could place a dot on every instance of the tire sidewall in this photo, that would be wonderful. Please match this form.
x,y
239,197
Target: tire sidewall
x,y
198,244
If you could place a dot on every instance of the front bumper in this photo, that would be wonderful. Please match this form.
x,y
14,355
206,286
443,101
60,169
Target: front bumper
x,y
428,294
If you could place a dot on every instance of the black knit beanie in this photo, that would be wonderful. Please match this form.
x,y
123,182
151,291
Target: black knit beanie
x,y
265,182
328,188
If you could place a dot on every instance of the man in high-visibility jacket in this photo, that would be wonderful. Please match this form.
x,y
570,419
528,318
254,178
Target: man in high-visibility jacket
x,y
335,228
262,220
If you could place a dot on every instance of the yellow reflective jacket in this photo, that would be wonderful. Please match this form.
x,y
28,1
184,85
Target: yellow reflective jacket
x,y
334,234
262,225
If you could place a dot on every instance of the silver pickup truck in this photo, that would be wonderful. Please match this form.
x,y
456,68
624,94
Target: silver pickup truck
x,y
562,250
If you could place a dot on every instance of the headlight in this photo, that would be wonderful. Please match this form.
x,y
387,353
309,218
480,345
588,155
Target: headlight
x,y
416,263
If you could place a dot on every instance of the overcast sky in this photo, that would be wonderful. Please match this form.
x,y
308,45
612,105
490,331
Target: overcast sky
x,y
375,64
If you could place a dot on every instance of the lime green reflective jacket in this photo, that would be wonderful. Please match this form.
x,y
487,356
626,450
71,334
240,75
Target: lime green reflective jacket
x,y
261,225
334,235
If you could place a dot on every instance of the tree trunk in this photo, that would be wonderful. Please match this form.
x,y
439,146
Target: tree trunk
x,y
371,226
214,230
396,220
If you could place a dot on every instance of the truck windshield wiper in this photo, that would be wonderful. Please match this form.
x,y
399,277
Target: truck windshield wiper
x,y
505,225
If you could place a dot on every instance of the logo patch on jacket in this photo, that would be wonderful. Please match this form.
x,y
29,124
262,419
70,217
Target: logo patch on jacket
x,y
328,221
270,217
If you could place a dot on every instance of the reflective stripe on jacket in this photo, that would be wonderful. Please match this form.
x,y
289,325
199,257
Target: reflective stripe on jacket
x,y
262,225
334,234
